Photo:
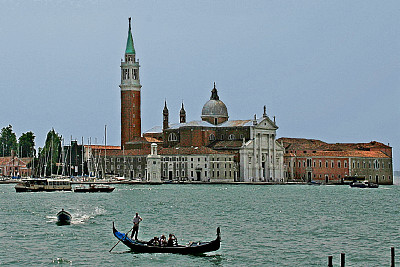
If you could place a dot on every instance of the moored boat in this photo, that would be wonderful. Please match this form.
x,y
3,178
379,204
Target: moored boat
x,y
63,217
94,189
145,247
364,184
43,184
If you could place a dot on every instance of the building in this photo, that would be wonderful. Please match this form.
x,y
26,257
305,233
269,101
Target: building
x,y
14,166
314,160
257,156
130,94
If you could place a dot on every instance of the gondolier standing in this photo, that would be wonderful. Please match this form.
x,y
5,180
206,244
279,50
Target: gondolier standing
x,y
136,220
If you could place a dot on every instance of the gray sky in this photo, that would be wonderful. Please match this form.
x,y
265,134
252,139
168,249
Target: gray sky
x,y
327,70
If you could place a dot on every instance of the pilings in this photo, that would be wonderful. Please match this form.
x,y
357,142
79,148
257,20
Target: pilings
x,y
343,262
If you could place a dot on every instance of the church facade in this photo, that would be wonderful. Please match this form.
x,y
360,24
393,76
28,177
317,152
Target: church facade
x,y
256,155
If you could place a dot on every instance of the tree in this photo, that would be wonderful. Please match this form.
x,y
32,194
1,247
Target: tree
x,y
8,141
49,155
26,144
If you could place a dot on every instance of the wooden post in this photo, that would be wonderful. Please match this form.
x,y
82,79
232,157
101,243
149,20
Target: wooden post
x,y
392,252
330,261
342,261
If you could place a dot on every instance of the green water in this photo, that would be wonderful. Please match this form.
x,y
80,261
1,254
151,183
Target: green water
x,y
261,225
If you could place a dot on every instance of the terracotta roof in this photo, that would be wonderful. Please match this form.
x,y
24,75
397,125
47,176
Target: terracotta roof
x,y
152,140
130,152
202,150
233,144
102,147
299,144
349,153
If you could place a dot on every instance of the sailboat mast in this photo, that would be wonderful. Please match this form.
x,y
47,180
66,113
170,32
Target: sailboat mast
x,y
105,150
82,156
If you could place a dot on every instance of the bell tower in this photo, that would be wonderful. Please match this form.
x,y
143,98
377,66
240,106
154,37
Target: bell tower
x,y
130,93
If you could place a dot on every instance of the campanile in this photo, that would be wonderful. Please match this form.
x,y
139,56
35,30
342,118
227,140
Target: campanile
x,y
130,93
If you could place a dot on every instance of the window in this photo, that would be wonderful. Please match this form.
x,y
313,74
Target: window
x,y
172,137
231,137
222,137
177,173
332,164
326,164
345,164
338,164
217,174
211,137
320,164
191,173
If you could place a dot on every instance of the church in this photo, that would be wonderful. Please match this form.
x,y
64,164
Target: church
x,y
212,149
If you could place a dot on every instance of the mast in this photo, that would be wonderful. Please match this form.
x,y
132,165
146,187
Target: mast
x,y
105,150
82,156
70,156
62,157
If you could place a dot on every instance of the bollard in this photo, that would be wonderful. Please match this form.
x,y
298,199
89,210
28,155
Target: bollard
x,y
330,261
342,261
392,252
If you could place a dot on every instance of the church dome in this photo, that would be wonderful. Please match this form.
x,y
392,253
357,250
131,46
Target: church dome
x,y
214,110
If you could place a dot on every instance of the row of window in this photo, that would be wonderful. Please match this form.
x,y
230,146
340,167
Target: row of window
x,y
310,163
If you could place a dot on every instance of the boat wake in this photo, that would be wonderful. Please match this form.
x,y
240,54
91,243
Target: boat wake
x,y
79,216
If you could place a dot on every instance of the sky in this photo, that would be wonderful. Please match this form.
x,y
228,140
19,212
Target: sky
x,y
327,70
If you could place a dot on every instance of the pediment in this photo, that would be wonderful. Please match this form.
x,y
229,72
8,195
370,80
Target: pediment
x,y
266,124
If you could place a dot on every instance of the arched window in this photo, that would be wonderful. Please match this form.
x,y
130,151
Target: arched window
x,y
231,137
211,137
172,137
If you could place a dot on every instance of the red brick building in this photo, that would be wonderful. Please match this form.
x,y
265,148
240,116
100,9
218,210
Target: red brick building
x,y
314,160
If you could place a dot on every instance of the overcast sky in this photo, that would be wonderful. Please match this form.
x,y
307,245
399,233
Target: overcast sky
x,y
328,70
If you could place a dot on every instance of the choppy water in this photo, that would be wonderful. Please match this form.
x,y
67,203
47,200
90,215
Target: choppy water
x,y
261,225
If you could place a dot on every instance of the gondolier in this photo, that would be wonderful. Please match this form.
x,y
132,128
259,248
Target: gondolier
x,y
136,220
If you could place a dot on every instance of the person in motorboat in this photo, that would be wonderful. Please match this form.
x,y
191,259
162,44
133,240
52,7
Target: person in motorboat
x,y
172,241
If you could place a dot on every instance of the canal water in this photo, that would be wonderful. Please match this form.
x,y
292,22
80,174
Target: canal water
x,y
280,225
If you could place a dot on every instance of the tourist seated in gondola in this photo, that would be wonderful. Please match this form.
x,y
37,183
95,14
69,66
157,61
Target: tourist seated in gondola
x,y
154,242
163,241
172,241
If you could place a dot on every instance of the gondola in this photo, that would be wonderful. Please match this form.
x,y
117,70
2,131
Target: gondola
x,y
63,217
192,248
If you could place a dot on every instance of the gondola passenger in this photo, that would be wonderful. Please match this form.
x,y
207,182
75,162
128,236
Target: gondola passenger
x,y
172,241
163,241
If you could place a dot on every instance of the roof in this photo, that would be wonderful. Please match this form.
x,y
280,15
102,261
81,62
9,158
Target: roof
x,y
349,154
129,43
102,147
231,144
202,150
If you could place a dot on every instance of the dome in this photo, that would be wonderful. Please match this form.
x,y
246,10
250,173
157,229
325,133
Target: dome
x,y
214,110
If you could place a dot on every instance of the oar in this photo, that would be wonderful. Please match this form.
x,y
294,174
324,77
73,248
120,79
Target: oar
x,y
121,239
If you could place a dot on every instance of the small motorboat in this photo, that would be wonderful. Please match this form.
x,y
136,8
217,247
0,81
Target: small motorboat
x,y
145,247
364,184
63,217
94,189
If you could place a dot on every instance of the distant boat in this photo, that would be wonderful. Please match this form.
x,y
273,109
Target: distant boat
x,y
364,184
43,184
94,189
63,217
191,248
314,183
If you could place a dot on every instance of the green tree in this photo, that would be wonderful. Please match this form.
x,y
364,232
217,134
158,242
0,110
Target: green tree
x,y
26,144
49,155
8,141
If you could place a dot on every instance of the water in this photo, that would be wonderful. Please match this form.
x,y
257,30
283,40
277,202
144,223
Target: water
x,y
281,225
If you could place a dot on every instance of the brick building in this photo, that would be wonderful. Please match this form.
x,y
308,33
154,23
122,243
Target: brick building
x,y
14,166
314,160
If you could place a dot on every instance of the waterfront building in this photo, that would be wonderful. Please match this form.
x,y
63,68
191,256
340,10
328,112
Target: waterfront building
x,y
257,156
13,166
314,160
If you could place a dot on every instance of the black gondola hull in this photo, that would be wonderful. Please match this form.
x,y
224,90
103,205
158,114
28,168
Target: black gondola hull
x,y
194,248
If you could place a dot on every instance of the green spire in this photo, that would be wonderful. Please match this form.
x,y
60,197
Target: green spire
x,y
129,44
